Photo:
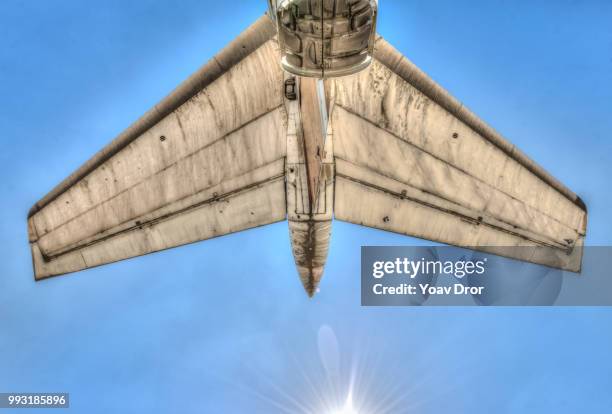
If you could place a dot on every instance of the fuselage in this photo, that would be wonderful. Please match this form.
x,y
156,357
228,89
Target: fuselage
x,y
310,179
318,39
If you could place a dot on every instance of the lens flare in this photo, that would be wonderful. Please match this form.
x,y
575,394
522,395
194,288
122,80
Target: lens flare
x,y
348,407
340,378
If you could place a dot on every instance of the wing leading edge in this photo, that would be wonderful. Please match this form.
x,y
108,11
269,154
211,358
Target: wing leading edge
x,y
412,159
206,161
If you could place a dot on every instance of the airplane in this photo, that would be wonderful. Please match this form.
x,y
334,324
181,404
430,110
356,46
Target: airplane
x,y
308,116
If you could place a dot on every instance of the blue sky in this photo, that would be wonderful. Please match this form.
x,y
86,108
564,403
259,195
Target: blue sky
x,y
223,326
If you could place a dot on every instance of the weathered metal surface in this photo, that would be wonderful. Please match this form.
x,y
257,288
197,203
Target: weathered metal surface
x,y
309,217
404,163
252,38
240,145
261,204
314,129
212,166
410,73
325,38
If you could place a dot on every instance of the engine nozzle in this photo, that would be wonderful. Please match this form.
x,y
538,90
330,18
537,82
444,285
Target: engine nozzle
x,y
325,38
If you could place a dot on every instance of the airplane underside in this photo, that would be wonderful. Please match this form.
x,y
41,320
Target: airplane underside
x,y
242,144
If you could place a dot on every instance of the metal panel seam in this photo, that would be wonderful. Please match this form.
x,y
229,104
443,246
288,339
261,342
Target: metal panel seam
x,y
156,220
449,165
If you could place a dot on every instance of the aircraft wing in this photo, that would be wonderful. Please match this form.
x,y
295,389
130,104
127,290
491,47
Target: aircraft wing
x,y
412,159
206,161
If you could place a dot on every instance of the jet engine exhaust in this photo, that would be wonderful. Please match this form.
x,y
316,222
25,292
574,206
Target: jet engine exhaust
x,y
325,38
